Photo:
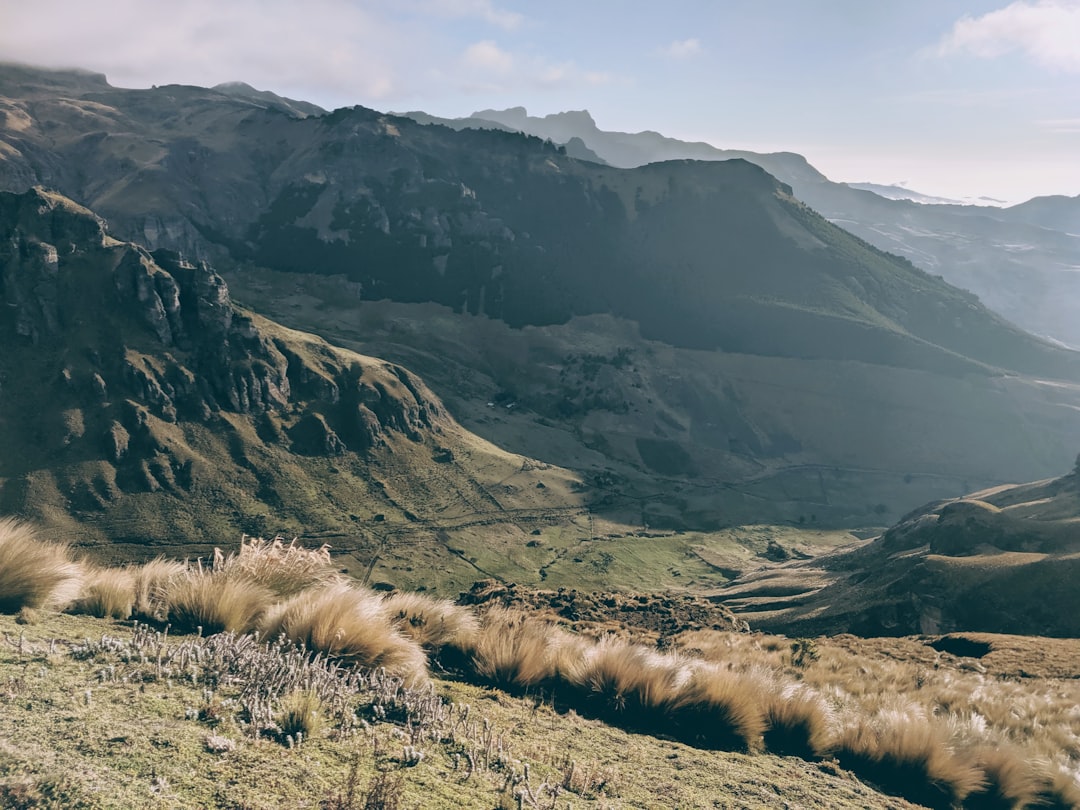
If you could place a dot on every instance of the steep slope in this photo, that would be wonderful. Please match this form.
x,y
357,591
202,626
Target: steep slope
x,y
1003,560
849,386
141,407
1020,261
714,255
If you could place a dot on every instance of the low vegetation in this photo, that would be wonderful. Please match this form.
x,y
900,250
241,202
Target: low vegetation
x,y
296,645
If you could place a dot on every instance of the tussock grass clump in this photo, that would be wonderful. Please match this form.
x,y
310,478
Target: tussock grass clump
x,y
626,682
1011,781
513,650
285,569
301,714
909,756
216,602
798,723
107,593
33,573
432,623
720,709
152,583
346,623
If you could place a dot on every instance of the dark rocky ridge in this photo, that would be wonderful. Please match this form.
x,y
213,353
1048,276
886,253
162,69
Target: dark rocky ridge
x,y
701,254
113,355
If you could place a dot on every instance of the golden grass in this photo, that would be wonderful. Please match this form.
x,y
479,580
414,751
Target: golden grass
x,y
107,593
432,623
512,650
348,623
625,682
152,583
216,602
285,569
301,713
798,723
35,574
720,709
910,755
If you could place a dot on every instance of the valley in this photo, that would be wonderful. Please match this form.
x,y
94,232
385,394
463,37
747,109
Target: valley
x,y
683,466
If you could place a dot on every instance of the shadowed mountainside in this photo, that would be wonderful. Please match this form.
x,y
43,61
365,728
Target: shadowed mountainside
x,y
1020,261
633,280
141,407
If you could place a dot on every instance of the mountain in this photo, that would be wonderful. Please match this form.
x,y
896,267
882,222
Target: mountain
x,y
1002,560
142,411
1020,261
695,344
1056,212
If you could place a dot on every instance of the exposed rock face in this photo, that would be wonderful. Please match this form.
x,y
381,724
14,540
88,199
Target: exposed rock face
x,y
153,339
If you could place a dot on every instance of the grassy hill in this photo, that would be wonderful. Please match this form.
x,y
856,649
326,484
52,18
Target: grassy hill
x,y
1001,560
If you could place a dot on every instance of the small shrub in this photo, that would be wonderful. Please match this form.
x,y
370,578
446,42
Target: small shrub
x,y
349,624
34,574
107,593
215,602
384,792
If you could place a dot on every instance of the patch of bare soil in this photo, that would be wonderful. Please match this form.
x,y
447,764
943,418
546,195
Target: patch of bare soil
x,y
647,617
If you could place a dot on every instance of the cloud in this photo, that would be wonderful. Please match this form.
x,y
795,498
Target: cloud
x,y
681,48
487,56
491,69
1061,126
1047,31
480,9
330,48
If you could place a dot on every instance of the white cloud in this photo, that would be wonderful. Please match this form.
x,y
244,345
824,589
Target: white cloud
x,y
331,48
1047,31
1061,126
489,57
681,48
491,69
480,9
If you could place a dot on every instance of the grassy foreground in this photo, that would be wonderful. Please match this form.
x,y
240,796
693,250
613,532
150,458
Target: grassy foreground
x,y
81,727
321,693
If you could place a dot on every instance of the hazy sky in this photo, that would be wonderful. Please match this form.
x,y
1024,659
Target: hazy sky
x,y
957,98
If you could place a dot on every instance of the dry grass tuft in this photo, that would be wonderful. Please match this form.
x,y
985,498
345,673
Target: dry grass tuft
x,y
798,723
720,709
301,713
909,756
626,682
107,593
285,569
432,623
512,650
1011,781
33,573
152,583
349,624
215,602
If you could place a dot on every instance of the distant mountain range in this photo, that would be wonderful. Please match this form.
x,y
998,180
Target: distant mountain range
x,y
687,342
1021,261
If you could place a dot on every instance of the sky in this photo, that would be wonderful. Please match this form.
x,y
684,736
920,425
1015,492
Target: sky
x,y
954,98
